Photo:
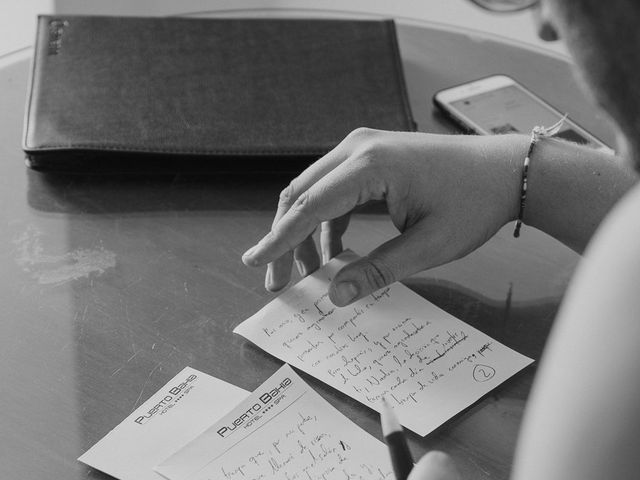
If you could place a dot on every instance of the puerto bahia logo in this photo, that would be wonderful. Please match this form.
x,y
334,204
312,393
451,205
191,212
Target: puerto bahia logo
x,y
172,396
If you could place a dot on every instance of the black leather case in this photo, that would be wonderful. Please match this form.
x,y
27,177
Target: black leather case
x,y
179,94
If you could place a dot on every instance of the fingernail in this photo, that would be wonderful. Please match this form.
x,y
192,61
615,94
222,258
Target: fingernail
x,y
344,292
301,268
246,256
268,279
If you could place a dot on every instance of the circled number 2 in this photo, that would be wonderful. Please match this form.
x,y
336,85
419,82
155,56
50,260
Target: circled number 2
x,y
483,373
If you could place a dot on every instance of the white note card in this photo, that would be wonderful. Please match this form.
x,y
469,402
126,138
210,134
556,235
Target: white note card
x,y
173,416
393,343
284,430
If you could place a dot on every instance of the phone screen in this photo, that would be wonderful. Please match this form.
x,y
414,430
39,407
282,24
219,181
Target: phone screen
x,y
511,109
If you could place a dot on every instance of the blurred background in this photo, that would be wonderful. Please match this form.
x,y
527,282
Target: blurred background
x,y
17,22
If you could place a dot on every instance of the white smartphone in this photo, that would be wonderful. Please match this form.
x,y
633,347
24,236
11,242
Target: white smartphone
x,y
498,104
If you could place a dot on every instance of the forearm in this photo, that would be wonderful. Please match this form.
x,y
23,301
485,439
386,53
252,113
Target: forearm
x,y
571,189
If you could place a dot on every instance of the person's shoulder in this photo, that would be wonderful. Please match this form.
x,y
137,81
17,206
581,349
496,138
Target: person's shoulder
x,y
619,234
609,275
587,385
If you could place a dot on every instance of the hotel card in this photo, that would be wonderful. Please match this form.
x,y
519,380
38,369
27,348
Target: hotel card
x,y
175,415
283,430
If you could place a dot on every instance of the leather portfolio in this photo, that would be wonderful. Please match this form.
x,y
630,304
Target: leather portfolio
x,y
149,94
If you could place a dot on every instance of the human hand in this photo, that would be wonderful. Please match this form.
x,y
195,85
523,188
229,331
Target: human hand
x,y
434,465
447,194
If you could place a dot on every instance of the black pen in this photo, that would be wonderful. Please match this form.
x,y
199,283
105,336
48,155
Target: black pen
x,y
401,459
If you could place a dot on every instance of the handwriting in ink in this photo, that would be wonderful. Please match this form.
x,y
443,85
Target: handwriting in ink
x,y
304,452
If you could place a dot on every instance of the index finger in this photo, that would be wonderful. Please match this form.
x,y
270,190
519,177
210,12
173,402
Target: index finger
x,y
334,195
279,269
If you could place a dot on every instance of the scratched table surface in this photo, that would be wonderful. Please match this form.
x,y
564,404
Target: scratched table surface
x,y
110,286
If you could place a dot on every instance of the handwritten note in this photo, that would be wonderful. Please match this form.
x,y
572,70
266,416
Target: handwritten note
x,y
393,343
284,430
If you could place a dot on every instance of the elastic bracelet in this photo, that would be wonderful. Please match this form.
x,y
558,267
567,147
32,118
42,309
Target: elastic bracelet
x,y
536,134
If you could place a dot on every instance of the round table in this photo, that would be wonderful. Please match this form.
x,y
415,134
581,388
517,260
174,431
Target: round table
x,y
112,285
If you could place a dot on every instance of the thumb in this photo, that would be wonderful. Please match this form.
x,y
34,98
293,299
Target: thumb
x,y
394,260
435,465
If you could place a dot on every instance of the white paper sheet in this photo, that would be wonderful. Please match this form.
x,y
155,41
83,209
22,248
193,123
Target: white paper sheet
x,y
429,364
175,415
284,430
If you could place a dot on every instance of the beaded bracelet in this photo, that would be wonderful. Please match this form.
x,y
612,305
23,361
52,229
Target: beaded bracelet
x,y
537,133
